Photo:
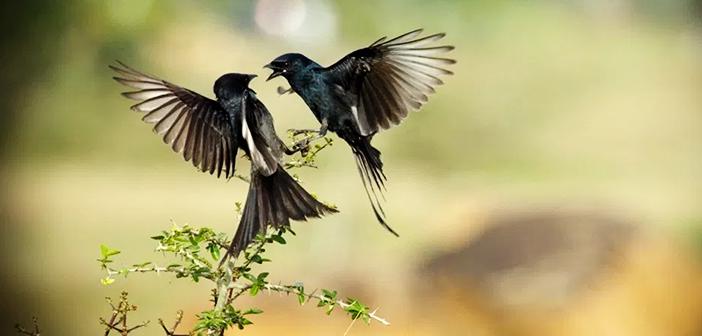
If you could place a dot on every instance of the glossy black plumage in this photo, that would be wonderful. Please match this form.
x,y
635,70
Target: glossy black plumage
x,y
209,133
370,89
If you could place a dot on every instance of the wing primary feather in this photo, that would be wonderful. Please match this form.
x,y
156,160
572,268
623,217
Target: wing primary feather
x,y
182,137
430,38
380,40
410,35
193,125
163,125
151,116
438,59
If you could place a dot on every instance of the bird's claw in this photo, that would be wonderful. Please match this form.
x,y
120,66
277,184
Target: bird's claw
x,y
303,146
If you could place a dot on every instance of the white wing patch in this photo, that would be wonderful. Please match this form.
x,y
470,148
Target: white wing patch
x,y
362,125
258,159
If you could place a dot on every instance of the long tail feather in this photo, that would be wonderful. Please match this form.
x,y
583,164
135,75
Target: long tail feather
x,y
273,201
370,167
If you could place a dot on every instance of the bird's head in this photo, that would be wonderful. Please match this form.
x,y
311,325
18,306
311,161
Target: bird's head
x,y
287,65
232,84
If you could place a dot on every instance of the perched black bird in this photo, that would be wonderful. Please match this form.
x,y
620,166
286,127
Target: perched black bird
x,y
368,90
209,132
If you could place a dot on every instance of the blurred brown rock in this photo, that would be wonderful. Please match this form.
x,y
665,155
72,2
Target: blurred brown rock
x,y
564,273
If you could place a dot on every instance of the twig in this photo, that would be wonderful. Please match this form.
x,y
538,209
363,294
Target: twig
x,y
118,319
309,159
289,289
178,320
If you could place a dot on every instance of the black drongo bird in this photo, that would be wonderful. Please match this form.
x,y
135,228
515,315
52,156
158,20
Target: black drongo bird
x,y
368,90
209,132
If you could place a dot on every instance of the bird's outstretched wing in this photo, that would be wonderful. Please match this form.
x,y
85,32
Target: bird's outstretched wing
x,y
256,128
191,124
388,79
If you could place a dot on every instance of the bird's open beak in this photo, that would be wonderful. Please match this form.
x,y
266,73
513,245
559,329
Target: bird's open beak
x,y
276,71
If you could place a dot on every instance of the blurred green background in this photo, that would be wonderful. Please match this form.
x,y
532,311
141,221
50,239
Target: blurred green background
x,y
551,187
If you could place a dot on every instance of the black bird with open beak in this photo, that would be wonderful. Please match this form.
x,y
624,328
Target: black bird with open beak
x,y
209,133
369,90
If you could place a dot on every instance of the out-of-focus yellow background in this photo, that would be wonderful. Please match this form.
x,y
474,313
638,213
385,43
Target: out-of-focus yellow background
x,y
551,187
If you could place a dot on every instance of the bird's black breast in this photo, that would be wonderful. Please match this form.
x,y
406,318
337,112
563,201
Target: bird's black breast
x,y
329,102
233,107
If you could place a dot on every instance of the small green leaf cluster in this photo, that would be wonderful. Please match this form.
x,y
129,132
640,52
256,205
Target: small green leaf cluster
x,y
197,248
228,317
197,251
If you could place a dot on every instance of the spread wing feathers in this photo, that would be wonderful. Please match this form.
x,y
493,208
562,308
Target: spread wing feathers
x,y
390,78
262,155
191,124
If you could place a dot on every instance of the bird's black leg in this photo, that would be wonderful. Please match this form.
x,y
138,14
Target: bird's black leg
x,y
293,150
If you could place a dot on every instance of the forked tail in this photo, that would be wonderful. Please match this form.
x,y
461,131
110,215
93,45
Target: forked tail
x,y
370,167
273,201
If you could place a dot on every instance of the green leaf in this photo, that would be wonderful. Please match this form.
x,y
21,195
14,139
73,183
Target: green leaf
x,y
249,277
243,322
262,276
103,251
253,311
144,264
279,239
357,310
107,281
214,251
329,294
254,290
107,252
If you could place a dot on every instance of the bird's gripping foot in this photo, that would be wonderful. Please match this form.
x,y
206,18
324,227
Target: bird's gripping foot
x,y
304,144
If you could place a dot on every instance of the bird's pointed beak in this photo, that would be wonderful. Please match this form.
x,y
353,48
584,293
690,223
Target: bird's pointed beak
x,y
276,71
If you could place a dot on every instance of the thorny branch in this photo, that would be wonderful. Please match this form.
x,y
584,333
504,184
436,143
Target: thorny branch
x,y
322,299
